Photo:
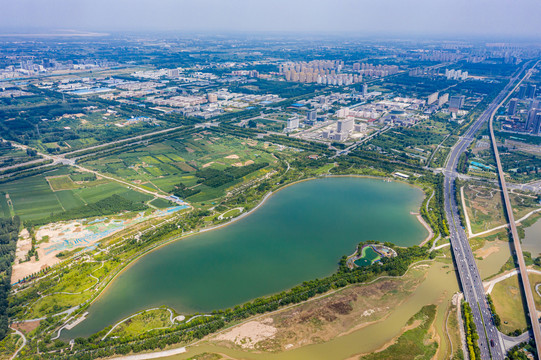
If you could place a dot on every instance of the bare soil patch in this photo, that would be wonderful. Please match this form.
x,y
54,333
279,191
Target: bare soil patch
x,y
483,253
26,327
325,318
249,334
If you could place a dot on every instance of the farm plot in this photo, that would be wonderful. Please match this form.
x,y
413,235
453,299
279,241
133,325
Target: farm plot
x,y
166,164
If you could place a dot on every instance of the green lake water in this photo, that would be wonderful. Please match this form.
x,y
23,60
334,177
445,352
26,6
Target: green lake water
x,y
437,288
299,234
368,255
532,239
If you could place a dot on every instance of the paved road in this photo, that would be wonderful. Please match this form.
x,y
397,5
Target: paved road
x,y
133,138
61,158
525,282
489,341
347,150
71,162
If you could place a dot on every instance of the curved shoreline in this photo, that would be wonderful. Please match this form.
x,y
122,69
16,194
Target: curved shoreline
x,y
229,222
189,234
164,353
430,235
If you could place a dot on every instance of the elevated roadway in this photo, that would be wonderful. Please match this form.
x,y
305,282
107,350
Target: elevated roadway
x,y
490,341
525,282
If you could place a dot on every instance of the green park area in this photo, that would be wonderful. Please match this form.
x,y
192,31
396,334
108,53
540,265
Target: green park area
x,y
368,256
507,298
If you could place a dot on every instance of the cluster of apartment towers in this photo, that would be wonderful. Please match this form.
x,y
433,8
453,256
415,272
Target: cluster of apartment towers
x,y
328,72
533,121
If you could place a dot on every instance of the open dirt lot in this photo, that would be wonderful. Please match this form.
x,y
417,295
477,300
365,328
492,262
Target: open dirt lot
x,y
323,319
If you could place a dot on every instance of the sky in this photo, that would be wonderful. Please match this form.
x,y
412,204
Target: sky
x,y
484,18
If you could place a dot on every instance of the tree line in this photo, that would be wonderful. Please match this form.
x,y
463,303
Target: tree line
x,y
93,347
216,178
9,232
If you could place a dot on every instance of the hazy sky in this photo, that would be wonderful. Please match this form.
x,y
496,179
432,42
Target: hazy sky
x,y
365,17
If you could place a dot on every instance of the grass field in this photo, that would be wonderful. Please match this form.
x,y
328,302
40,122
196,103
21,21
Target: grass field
x,y
485,208
535,279
61,182
33,197
54,303
144,322
72,288
231,213
9,344
160,203
68,199
507,299
4,207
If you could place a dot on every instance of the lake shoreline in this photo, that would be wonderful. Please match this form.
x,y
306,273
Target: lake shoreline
x,y
203,230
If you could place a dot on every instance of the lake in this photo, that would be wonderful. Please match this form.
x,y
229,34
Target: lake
x,y
299,234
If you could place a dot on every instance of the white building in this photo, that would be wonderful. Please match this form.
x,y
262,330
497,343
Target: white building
x,y
345,126
292,123
343,112
362,127
432,98
443,99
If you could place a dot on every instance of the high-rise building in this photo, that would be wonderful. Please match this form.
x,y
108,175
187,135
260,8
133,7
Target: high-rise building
x,y
522,91
432,98
535,104
530,122
345,125
456,101
212,98
311,115
537,124
365,89
534,122
443,99
292,123
530,92
512,107
173,73
343,112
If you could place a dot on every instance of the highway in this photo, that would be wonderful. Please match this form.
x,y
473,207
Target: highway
x,y
490,342
525,282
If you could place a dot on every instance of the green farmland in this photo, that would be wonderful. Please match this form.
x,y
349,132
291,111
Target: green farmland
x,y
33,197
162,166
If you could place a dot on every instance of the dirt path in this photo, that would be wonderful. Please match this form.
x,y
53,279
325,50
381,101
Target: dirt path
x,y
23,345
489,285
156,355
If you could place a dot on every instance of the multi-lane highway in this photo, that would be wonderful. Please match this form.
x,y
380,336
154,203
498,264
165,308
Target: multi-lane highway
x,y
489,337
525,282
